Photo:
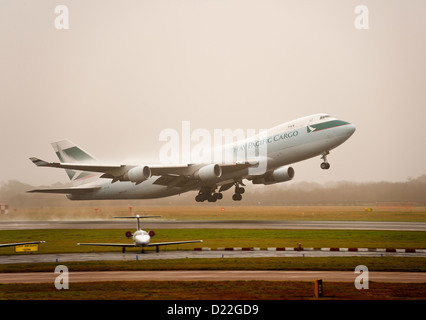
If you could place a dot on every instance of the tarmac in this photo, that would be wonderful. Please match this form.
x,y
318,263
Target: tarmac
x,y
209,224
136,255
214,275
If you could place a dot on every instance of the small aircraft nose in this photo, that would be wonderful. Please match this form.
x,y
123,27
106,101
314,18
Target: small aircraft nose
x,y
142,240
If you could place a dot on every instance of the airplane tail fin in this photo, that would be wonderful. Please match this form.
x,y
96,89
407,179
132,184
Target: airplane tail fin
x,y
68,152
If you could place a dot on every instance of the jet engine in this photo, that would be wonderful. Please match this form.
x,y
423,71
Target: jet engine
x,y
128,234
138,174
278,175
209,173
151,233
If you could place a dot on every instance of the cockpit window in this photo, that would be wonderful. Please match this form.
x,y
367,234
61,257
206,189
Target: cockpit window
x,y
324,117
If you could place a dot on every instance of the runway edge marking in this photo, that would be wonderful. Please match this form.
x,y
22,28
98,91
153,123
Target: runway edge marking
x,y
315,249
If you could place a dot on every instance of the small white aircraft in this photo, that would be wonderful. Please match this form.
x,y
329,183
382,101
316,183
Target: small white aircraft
x,y
141,238
282,145
2,245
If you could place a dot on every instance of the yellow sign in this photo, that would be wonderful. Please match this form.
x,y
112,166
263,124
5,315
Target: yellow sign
x,y
27,248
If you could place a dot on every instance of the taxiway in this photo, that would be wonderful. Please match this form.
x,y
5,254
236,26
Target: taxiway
x,y
223,224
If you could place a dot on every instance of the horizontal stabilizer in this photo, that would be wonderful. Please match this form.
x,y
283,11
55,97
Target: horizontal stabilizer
x,y
137,216
76,191
39,163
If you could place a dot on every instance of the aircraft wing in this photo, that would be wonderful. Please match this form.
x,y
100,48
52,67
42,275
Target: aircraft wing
x,y
108,244
19,243
133,245
116,172
169,243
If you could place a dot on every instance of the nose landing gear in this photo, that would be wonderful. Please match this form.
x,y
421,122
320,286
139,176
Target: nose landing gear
x,y
325,165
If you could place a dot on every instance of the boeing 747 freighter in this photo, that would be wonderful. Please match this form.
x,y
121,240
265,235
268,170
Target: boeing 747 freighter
x,y
262,159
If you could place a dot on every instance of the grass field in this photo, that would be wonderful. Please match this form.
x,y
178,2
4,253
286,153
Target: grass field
x,y
59,241
402,264
212,290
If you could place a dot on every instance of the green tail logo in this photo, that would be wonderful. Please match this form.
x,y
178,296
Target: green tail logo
x,y
310,129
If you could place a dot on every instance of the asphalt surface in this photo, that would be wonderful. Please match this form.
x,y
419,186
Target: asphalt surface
x,y
135,255
213,275
224,224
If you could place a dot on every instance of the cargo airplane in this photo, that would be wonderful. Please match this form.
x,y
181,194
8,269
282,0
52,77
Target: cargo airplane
x,y
141,238
283,145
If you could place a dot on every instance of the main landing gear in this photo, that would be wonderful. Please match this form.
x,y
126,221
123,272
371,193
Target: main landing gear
x,y
210,194
325,165
238,192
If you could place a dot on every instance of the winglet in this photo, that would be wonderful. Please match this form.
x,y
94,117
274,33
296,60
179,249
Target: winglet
x,y
38,162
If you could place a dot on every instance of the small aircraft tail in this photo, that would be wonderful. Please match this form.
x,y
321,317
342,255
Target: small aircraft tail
x,y
68,152
137,217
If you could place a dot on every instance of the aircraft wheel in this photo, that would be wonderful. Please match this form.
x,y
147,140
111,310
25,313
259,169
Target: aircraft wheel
x,y
237,197
219,196
199,198
240,190
325,165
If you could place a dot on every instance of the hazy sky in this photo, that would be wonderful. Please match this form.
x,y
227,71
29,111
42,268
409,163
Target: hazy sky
x,y
126,70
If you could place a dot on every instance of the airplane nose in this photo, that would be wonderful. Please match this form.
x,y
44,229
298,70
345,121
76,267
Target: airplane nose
x,y
350,128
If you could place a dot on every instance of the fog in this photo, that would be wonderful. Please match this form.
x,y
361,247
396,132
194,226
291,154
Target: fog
x,y
125,71
410,193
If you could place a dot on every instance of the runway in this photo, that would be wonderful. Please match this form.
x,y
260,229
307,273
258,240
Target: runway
x,y
223,224
213,275
133,255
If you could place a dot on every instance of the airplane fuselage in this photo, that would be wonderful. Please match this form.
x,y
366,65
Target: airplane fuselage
x,y
285,144
141,238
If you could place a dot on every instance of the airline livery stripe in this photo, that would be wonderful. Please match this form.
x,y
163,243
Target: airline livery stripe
x,y
329,125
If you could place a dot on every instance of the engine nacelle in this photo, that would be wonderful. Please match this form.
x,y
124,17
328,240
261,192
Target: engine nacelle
x,y
128,234
281,174
138,174
151,233
209,173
